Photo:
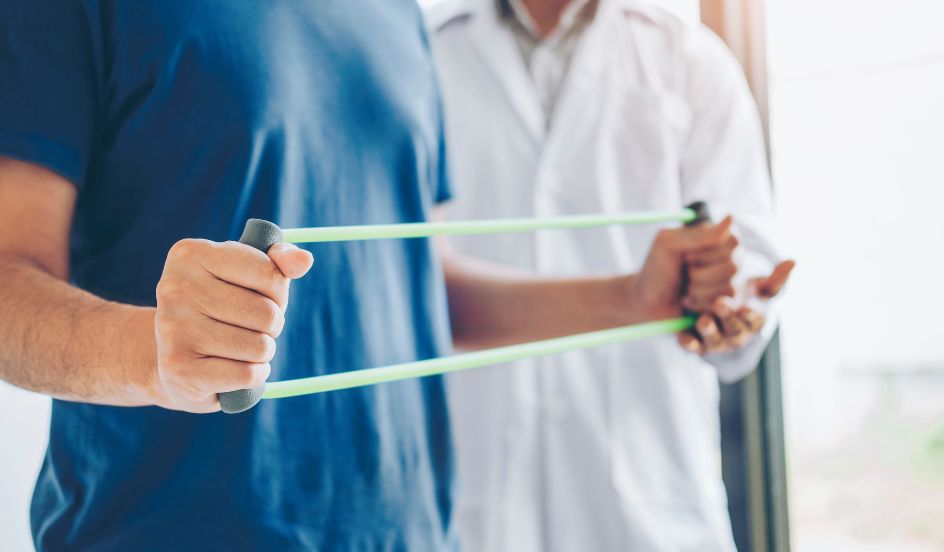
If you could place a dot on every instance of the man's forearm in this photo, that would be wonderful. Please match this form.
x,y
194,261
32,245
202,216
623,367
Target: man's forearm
x,y
491,306
62,341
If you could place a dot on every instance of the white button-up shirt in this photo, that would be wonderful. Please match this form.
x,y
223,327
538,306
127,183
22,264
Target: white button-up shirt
x,y
548,58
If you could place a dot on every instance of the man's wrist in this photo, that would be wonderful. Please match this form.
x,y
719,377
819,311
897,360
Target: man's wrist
x,y
637,307
628,306
139,356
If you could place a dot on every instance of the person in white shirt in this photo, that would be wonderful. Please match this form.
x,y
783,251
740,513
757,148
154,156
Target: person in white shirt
x,y
566,107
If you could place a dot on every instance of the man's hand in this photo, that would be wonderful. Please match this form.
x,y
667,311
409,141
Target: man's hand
x,y
220,307
658,287
724,326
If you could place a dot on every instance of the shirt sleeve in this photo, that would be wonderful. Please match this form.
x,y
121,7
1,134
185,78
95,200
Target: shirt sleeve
x,y
724,163
48,88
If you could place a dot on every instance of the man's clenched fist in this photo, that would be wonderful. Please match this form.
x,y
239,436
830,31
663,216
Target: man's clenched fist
x,y
220,307
659,287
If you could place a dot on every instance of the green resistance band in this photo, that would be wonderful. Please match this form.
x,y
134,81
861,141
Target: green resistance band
x,y
493,226
468,361
262,235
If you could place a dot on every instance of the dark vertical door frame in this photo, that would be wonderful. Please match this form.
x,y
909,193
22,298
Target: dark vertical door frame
x,y
753,450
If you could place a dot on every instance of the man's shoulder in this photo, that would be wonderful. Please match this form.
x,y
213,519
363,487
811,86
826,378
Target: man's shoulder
x,y
441,15
672,39
641,14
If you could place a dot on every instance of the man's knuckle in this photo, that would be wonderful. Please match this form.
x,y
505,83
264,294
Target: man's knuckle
x,y
278,285
184,249
663,237
167,289
260,373
245,376
272,318
268,348
262,348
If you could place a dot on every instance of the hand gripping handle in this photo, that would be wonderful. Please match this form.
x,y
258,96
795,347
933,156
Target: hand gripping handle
x,y
262,235
702,216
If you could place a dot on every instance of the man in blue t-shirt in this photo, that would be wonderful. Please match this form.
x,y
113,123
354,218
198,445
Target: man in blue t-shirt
x,y
127,129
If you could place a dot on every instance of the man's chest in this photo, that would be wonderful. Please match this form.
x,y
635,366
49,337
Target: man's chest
x,y
240,66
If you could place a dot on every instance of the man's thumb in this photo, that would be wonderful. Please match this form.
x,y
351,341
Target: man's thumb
x,y
771,285
292,261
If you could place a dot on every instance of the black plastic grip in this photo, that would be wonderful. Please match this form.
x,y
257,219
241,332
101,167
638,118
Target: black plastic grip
x,y
702,216
701,213
262,235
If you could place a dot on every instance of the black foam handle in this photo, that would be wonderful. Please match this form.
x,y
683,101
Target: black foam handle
x,y
701,216
262,235
701,213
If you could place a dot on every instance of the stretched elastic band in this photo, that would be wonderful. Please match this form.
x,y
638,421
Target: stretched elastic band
x,y
468,361
262,234
493,226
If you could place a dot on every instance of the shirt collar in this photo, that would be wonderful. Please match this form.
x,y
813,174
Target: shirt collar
x,y
576,12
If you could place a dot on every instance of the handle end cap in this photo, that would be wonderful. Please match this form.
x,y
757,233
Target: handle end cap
x,y
235,402
261,234
701,213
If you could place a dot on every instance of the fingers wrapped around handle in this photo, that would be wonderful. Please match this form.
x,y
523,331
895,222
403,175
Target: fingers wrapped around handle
x,y
260,234
702,216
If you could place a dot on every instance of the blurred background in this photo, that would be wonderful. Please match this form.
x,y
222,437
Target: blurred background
x,y
856,124
838,443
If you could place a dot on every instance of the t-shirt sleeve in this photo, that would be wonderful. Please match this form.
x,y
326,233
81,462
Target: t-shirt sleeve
x,y
49,72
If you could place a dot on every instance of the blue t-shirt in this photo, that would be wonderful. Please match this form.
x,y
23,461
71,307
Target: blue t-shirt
x,y
183,118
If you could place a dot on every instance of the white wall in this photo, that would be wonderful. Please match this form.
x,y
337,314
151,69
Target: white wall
x,y
24,430
856,119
